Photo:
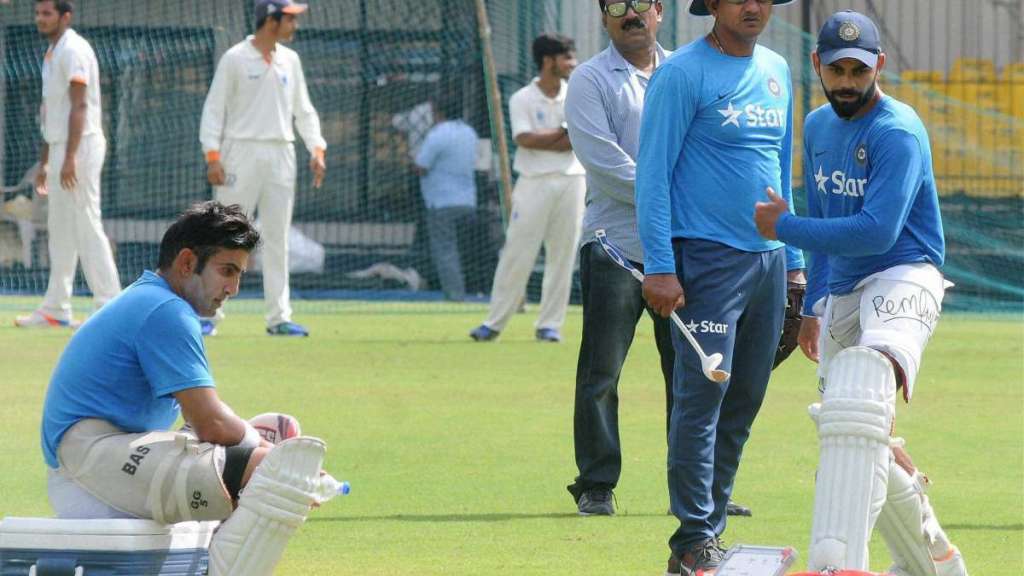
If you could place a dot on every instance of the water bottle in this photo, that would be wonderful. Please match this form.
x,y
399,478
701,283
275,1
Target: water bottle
x,y
328,487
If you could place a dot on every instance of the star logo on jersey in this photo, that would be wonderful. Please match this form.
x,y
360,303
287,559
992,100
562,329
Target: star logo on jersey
x,y
842,184
821,179
731,115
692,326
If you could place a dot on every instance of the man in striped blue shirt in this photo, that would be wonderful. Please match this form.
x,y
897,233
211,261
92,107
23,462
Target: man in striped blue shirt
x,y
716,132
602,109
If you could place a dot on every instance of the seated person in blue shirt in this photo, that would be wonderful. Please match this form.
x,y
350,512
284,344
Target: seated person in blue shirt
x,y
139,363
874,294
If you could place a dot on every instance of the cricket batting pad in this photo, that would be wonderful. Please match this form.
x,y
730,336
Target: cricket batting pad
x,y
272,505
854,458
916,542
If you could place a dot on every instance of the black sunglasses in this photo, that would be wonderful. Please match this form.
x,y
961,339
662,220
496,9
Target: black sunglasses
x,y
618,9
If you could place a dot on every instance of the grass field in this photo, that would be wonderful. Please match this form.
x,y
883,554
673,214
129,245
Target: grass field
x,y
459,453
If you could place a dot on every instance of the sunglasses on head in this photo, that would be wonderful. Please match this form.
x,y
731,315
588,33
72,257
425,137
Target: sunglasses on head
x,y
618,9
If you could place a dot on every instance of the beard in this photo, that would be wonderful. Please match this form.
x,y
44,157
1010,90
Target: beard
x,y
847,109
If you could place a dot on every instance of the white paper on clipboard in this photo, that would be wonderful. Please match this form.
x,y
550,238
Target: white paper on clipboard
x,y
744,560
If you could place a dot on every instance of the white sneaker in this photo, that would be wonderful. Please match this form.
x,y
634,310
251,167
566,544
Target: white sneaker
x,y
38,319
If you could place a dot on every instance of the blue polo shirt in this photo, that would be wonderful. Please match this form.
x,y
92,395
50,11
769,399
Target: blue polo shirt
x,y
124,364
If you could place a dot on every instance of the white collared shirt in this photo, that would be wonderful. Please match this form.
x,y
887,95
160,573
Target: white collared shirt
x,y
531,110
70,61
252,99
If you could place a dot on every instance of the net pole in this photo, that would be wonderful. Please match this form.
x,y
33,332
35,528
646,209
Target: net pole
x,y
494,107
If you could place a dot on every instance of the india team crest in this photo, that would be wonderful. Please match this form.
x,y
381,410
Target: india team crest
x,y
849,31
861,155
774,88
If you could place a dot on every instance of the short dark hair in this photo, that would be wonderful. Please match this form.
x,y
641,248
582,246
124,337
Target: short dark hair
x,y
63,6
206,228
277,16
551,45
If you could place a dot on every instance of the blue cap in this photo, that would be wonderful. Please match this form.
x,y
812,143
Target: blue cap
x,y
265,8
700,7
849,34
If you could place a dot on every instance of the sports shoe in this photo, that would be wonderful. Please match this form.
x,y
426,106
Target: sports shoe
x,y
483,334
596,502
734,509
38,319
548,335
287,329
701,559
208,327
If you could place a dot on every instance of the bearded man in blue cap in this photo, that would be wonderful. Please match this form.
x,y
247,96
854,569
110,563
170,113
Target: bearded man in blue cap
x,y
874,232
716,133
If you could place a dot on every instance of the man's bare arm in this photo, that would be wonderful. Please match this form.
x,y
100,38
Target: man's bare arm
x,y
211,419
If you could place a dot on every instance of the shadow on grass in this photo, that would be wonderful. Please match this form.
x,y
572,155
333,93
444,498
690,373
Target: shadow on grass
x,y
493,517
997,527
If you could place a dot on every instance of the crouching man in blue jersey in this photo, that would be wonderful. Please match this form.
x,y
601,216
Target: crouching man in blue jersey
x,y
128,373
874,234
716,131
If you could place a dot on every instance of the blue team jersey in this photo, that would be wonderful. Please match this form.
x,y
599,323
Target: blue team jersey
x,y
716,131
124,364
871,198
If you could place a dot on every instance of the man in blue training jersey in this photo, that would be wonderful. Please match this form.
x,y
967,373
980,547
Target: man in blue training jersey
x,y
602,109
716,132
139,363
874,232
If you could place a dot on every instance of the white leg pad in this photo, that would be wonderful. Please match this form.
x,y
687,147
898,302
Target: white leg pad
x,y
272,505
912,533
853,428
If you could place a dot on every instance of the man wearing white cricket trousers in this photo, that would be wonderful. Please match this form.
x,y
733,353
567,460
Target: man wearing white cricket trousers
x,y
547,202
247,136
71,123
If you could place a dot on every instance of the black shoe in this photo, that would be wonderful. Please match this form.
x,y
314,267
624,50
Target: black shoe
x,y
701,558
734,509
596,502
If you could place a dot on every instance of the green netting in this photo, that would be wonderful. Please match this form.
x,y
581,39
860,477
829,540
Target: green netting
x,y
370,66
